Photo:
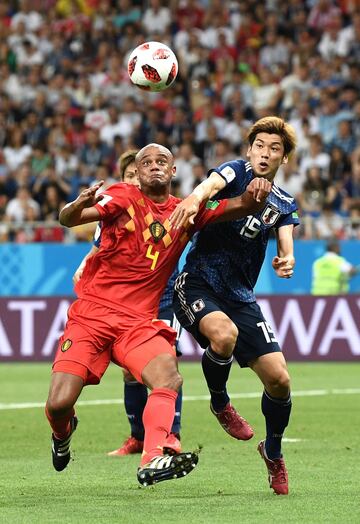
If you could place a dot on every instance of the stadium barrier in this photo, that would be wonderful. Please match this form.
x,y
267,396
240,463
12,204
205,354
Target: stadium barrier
x,y
307,328
46,269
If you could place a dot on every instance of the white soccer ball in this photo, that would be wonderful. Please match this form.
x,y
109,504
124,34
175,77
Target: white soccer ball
x,y
152,66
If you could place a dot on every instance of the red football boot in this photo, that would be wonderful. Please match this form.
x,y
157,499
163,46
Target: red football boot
x,y
233,423
278,476
130,446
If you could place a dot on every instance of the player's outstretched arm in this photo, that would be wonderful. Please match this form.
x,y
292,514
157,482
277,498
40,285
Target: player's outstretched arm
x,y
189,207
82,210
78,273
250,202
284,262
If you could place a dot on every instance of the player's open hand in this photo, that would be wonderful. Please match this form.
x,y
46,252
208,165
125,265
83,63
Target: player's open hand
x,y
88,197
284,266
259,188
185,211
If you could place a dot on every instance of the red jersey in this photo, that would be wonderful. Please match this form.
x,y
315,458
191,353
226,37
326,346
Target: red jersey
x,y
139,250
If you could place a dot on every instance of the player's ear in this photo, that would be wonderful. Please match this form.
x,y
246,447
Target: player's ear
x,y
174,172
285,159
248,152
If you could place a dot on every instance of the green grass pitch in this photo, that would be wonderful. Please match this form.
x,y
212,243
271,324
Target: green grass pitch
x,y
228,486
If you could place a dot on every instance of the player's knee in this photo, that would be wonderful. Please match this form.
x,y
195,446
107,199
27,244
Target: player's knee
x,y
279,384
224,337
176,382
162,372
56,406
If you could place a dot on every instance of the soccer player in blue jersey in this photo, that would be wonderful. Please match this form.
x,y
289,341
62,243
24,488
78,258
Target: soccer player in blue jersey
x,y
214,298
135,394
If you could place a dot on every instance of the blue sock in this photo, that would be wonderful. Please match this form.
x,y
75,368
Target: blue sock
x,y
175,428
135,397
216,370
277,413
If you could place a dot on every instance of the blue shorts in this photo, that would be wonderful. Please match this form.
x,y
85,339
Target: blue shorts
x,y
167,315
194,299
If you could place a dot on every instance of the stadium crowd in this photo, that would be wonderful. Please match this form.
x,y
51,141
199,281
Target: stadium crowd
x,y
68,109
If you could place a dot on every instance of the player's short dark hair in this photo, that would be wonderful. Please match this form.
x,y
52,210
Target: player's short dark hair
x,y
125,160
277,126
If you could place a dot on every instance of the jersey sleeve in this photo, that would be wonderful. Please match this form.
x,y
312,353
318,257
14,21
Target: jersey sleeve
x,y
115,200
209,211
288,219
226,171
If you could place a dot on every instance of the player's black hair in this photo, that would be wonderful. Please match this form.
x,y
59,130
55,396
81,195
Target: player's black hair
x,y
125,160
277,126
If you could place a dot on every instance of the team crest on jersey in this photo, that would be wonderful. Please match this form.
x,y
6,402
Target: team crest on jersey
x,y
157,230
270,215
66,345
198,305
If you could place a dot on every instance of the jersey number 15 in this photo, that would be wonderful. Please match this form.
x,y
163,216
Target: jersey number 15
x,y
251,228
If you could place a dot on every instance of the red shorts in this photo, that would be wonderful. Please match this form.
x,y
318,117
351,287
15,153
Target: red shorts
x,y
95,335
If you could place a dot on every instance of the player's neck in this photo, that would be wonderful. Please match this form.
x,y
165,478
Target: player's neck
x,y
159,196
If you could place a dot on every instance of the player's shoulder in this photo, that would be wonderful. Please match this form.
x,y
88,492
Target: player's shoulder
x,y
122,188
283,199
233,169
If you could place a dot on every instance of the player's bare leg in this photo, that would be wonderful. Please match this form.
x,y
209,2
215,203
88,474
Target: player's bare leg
x,y
276,408
222,333
64,392
162,377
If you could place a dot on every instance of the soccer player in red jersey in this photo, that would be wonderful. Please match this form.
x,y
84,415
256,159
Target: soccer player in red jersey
x,y
135,393
114,317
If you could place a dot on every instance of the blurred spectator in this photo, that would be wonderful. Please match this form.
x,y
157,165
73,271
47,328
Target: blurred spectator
x,y
274,51
94,152
345,139
315,157
156,18
32,20
97,117
185,161
66,163
300,80
189,10
332,272
312,198
321,14
35,133
266,94
339,166
125,13
40,160
329,224
16,151
220,153
22,208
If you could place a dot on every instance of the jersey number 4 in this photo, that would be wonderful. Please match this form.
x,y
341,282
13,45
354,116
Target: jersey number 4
x,y
153,256
251,228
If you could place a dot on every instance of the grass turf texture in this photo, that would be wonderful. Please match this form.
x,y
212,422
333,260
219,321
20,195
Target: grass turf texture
x,y
228,486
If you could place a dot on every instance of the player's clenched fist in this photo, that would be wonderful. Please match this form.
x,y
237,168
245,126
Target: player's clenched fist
x,y
259,188
284,266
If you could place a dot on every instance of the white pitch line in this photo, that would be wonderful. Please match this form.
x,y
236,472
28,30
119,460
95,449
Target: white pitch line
x,y
189,398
